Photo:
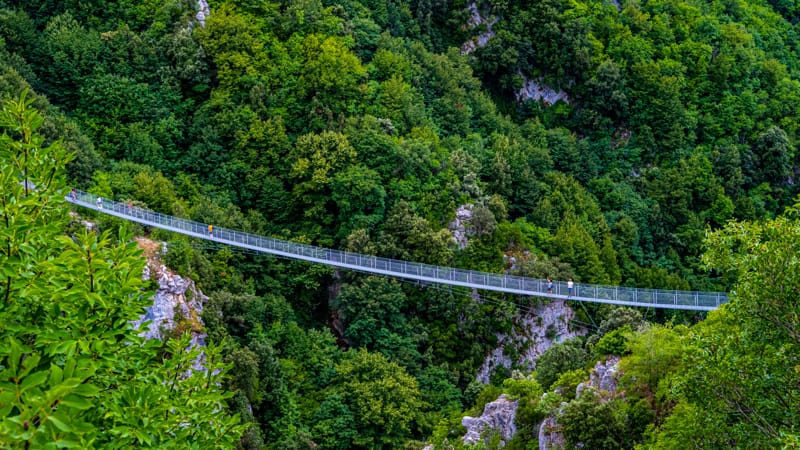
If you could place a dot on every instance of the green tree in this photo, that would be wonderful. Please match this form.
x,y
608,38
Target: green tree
x,y
74,370
69,53
775,153
566,199
606,92
656,99
748,348
614,342
373,311
655,352
315,161
560,358
567,383
334,424
574,245
410,237
382,397
590,422
241,52
360,197
331,76
400,103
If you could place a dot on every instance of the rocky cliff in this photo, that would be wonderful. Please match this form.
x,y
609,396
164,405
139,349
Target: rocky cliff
x,y
603,379
460,226
534,332
476,20
498,417
534,90
203,11
177,303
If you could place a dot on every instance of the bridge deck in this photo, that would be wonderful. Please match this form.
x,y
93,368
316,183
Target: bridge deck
x,y
617,295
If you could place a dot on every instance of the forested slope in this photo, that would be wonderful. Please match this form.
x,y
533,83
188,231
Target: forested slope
x,y
362,125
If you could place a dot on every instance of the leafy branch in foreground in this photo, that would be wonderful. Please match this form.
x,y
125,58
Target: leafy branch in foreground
x,y
740,387
73,371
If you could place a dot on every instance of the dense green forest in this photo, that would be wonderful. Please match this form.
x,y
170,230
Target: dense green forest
x,y
363,125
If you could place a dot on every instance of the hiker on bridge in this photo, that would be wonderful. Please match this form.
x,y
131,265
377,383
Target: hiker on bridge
x,y
73,195
549,285
99,202
570,286
210,230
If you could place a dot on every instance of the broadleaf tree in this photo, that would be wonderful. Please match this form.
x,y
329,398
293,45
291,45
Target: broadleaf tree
x,y
73,370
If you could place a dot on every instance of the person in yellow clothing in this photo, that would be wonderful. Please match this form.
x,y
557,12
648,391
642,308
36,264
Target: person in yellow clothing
x,y
210,230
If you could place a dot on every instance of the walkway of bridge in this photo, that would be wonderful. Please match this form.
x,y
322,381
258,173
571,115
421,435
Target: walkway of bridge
x,y
618,295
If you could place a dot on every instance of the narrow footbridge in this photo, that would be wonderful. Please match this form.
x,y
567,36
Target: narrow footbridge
x,y
617,295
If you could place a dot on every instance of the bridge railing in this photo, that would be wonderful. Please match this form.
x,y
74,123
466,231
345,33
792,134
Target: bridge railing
x,y
448,275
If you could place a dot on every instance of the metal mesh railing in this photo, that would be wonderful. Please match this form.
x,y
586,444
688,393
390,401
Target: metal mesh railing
x,y
689,300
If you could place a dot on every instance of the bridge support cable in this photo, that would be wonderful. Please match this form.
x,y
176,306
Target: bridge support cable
x,y
617,295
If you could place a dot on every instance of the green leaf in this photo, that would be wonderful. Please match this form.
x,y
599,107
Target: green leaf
x,y
33,380
86,390
56,375
69,367
59,424
76,402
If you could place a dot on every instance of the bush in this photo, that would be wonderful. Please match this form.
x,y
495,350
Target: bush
x,y
561,357
568,382
614,342
489,393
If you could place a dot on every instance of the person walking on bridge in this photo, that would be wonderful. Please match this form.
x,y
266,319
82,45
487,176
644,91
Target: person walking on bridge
x,y
99,202
210,230
549,285
73,195
570,285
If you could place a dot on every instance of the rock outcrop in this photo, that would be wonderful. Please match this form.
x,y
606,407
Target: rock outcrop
x,y
176,303
536,90
476,19
203,11
89,226
603,380
531,89
550,436
498,417
532,335
460,226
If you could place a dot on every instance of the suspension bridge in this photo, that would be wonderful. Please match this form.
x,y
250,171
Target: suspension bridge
x,y
617,295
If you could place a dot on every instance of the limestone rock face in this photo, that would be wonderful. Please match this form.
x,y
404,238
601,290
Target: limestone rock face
x,y
460,226
176,301
203,11
605,376
603,379
89,226
531,89
536,90
549,435
497,416
476,19
532,334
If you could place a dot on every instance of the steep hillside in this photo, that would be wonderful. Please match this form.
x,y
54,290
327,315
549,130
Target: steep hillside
x,y
599,141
